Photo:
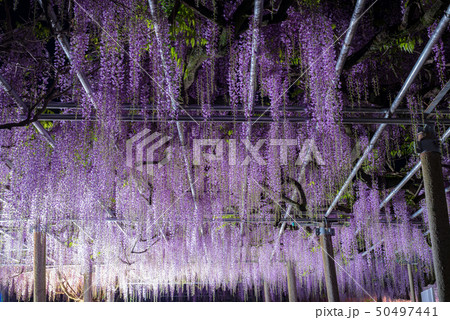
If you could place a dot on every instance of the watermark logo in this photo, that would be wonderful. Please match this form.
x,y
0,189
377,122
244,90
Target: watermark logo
x,y
145,150
148,145
308,152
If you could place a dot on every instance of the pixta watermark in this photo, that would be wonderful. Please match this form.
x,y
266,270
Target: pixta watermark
x,y
150,144
145,151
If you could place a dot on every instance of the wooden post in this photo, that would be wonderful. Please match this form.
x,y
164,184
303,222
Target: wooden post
x,y
267,297
437,220
412,294
292,287
87,285
39,291
328,263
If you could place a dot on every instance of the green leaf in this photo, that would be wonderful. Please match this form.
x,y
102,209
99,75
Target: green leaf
x,y
47,124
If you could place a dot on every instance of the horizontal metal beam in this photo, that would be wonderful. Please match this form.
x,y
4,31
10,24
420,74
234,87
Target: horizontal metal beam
x,y
221,108
231,119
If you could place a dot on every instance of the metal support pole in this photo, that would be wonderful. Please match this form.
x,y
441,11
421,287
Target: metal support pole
x,y
87,285
18,100
416,168
437,220
292,287
257,18
360,4
411,77
267,297
412,294
64,42
174,104
39,292
328,263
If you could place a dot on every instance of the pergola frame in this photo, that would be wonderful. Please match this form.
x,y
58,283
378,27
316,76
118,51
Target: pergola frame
x,y
339,67
351,31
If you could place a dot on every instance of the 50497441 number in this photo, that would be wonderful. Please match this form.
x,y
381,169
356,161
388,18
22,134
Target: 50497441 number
x,y
406,311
